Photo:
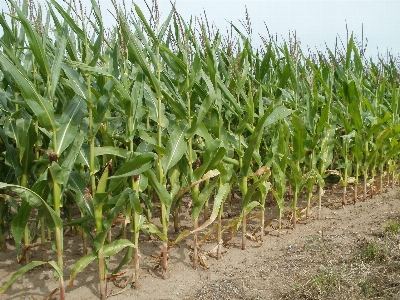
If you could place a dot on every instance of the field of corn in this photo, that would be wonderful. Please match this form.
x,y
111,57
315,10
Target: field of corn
x,y
106,128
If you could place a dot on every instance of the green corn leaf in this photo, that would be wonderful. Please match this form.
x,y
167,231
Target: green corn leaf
x,y
299,137
226,172
161,191
204,107
173,98
70,157
210,174
21,134
215,119
263,189
97,71
219,199
77,184
119,204
180,237
252,189
210,87
203,132
136,55
270,117
34,200
7,30
292,73
266,62
84,157
69,123
352,97
11,158
164,27
139,34
100,200
76,82
16,62
295,177
22,35
18,224
318,74
393,152
146,25
97,47
153,229
100,111
111,151
176,147
323,119
283,80
357,149
195,70
152,103
10,130
79,221
80,265
57,62
176,63
250,207
67,18
135,202
242,124
57,268
116,246
35,42
210,59
215,159
237,109
137,165
203,197
56,173
198,118
21,272
173,176
211,157
327,143
28,160
42,187
140,169
379,141
127,257
250,105
348,53
70,46
102,184
39,105
373,131
279,113
144,135
100,239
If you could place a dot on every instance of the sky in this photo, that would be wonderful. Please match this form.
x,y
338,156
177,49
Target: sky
x,y
317,22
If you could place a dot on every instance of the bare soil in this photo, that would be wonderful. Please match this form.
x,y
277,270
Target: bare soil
x,y
349,253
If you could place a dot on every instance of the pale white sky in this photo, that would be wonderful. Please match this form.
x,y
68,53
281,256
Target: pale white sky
x,y
315,21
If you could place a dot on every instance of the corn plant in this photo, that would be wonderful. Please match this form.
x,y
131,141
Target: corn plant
x,y
126,122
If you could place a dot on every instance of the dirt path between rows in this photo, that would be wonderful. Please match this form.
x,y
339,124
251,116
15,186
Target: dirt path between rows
x,y
329,258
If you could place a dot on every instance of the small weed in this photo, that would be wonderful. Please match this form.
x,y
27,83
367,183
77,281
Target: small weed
x,y
326,282
314,243
392,226
366,288
373,252
394,266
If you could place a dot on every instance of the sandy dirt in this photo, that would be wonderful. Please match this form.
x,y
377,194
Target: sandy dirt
x,y
282,267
